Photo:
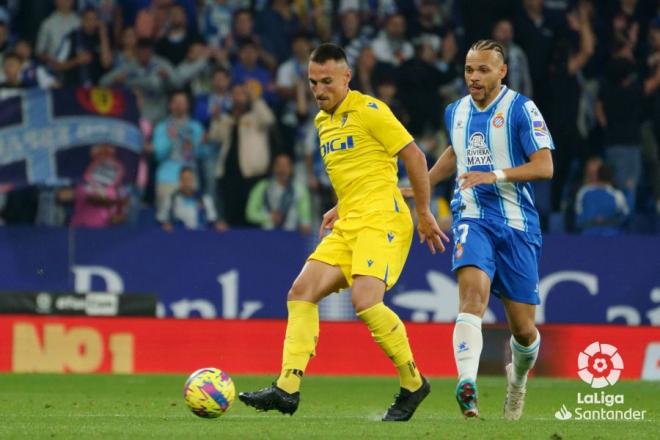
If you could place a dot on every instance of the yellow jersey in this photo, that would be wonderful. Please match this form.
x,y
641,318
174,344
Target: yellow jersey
x,y
359,143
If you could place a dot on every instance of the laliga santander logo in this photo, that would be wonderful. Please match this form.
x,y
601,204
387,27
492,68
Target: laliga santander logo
x,y
600,365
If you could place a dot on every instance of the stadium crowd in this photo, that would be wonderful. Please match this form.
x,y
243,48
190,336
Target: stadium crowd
x,y
227,113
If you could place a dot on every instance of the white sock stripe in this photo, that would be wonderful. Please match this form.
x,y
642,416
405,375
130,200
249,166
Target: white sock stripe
x,y
469,318
515,345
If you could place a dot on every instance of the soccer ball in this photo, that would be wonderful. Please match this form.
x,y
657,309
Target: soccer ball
x,y
209,392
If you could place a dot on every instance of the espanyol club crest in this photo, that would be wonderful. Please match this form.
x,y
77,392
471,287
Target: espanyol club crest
x,y
498,120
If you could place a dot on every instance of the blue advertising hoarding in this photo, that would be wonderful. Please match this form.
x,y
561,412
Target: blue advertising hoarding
x,y
247,273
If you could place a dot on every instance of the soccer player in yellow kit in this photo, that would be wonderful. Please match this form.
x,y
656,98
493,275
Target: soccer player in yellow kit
x,y
371,234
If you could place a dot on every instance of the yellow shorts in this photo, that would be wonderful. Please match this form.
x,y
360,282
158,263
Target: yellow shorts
x,y
376,244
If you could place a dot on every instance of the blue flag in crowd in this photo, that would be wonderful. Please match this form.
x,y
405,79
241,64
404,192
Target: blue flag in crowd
x,y
46,135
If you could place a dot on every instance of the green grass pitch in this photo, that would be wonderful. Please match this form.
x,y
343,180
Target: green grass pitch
x,y
151,406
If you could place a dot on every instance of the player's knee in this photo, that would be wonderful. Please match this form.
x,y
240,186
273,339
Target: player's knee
x,y
299,291
362,303
472,302
366,292
524,334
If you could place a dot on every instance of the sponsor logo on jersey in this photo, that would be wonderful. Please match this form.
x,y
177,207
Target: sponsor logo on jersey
x,y
337,145
477,151
540,129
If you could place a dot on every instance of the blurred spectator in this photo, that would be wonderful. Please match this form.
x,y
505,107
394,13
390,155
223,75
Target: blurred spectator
x,y
419,81
127,48
316,16
152,21
452,83
390,46
278,202
54,30
215,20
619,113
85,54
368,72
244,151
107,10
33,73
371,11
352,35
177,41
388,92
518,77
177,143
600,209
291,77
276,26
101,198
626,26
651,129
427,21
149,76
210,105
5,44
189,208
248,71
294,69
562,111
535,34
11,68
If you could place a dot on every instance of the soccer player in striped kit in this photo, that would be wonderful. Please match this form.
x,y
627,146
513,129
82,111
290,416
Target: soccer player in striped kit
x,y
499,142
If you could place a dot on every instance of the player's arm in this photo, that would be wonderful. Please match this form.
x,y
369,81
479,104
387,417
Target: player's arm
x,y
415,163
535,143
539,167
444,167
329,219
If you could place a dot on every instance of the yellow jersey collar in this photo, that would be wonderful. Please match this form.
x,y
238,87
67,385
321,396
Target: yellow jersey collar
x,y
345,104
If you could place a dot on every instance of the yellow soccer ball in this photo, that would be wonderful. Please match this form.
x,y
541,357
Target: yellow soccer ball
x,y
209,392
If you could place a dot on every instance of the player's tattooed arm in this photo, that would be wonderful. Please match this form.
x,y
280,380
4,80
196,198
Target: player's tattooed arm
x,y
539,167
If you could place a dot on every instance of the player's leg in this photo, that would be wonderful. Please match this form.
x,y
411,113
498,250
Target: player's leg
x,y
516,284
474,290
380,252
473,261
389,333
315,282
525,344
386,328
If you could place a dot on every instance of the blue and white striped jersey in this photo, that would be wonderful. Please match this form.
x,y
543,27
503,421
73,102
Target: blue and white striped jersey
x,y
501,136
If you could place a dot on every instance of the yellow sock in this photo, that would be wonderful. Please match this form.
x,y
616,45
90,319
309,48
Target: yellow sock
x,y
389,332
302,333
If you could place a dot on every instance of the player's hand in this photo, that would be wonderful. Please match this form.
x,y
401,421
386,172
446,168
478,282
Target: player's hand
x,y
329,219
474,178
430,232
407,192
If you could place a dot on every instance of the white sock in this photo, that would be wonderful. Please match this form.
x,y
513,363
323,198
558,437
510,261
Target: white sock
x,y
524,358
467,345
